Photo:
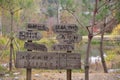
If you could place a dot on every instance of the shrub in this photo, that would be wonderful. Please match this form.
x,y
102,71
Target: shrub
x,y
116,30
110,55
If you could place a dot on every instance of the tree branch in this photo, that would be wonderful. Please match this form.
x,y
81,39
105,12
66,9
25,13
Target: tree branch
x,y
74,17
3,7
102,5
107,26
88,29
17,10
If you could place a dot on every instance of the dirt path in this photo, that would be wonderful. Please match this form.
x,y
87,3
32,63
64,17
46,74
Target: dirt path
x,y
62,76
76,76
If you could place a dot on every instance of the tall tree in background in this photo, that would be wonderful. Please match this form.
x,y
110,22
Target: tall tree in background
x,y
101,15
97,15
115,9
13,6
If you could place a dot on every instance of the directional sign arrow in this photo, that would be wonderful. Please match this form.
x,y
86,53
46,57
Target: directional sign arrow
x,y
29,35
69,38
65,28
33,26
35,46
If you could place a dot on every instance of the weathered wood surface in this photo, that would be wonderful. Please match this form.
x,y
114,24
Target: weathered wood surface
x,y
48,60
35,46
33,26
69,38
65,28
63,47
29,35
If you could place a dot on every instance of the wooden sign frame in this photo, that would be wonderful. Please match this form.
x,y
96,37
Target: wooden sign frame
x,y
48,60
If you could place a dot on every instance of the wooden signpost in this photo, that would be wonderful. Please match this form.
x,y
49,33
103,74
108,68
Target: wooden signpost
x,y
66,37
28,69
49,60
29,35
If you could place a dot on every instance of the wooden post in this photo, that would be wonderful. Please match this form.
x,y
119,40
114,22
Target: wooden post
x,y
29,70
11,54
69,74
69,71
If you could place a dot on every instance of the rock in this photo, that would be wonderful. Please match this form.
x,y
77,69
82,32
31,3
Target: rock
x,y
5,65
16,73
16,78
45,75
113,70
7,75
2,73
37,75
118,76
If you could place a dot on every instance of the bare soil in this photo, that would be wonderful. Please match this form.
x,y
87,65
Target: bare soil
x,y
62,76
76,76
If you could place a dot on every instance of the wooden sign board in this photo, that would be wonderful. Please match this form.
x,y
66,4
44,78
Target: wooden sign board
x,y
35,46
29,35
68,38
63,47
48,60
33,26
65,28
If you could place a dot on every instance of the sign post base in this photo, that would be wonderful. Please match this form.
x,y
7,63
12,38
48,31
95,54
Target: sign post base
x,y
28,74
69,74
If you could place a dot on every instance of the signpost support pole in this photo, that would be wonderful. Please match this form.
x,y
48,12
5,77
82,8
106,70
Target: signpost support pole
x,y
29,74
69,71
69,74
29,70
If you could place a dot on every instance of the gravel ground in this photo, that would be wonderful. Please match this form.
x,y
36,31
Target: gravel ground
x,y
62,76
76,76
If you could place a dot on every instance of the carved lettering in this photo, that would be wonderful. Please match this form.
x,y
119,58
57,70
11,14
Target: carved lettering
x,y
45,60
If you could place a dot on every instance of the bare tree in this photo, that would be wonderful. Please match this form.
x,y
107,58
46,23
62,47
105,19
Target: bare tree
x,y
13,6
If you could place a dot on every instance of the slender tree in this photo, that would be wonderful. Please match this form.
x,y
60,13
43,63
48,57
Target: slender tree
x,y
13,6
99,11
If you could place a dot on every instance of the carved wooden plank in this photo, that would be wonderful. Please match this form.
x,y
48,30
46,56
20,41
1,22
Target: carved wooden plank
x,y
63,47
29,35
69,38
65,28
48,60
34,26
35,46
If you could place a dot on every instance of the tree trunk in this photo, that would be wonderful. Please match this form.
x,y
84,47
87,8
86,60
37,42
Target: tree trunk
x,y
101,50
0,25
87,57
11,43
10,60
